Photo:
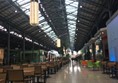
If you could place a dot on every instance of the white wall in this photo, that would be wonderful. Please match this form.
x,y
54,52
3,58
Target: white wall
x,y
112,32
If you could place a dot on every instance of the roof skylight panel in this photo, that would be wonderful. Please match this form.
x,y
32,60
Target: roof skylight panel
x,y
14,0
71,25
25,6
75,13
41,21
41,18
71,17
71,9
69,1
20,1
75,4
46,27
71,22
24,2
47,30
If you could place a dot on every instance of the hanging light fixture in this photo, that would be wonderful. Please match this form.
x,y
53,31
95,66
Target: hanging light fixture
x,y
64,51
58,42
34,8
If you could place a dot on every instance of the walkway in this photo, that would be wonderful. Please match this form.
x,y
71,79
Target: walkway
x,y
73,73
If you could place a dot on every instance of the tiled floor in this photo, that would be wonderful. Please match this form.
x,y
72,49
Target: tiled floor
x,y
73,73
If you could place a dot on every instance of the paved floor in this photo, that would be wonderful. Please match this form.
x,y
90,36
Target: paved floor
x,y
73,73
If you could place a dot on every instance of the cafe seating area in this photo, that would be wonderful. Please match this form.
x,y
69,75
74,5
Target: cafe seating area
x,y
91,64
30,73
58,41
110,68
107,67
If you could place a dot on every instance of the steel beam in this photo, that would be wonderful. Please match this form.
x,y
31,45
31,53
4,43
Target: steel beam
x,y
86,18
34,31
94,3
84,30
5,8
87,11
86,24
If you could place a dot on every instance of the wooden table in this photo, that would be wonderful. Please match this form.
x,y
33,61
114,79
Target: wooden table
x,y
2,80
28,72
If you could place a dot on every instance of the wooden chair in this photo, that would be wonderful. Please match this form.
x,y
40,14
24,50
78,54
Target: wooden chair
x,y
44,70
23,66
5,68
15,66
1,70
29,73
2,77
48,68
97,65
104,63
31,65
90,64
52,67
114,71
109,67
84,63
38,72
16,76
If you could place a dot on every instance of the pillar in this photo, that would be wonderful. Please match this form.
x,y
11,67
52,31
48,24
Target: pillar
x,y
93,51
8,46
23,55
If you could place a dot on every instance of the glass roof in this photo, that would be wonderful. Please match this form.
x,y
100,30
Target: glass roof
x,y
25,6
71,9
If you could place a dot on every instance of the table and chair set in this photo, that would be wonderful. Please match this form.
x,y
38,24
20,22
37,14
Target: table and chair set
x,y
94,65
107,67
110,68
30,73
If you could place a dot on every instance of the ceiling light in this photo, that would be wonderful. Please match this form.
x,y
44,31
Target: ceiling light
x,y
80,6
58,42
102,32
34,8
16,11
78,21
